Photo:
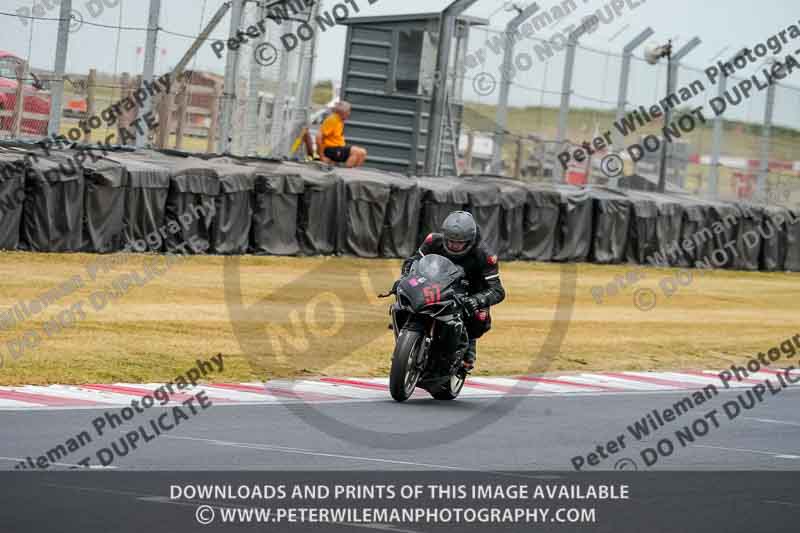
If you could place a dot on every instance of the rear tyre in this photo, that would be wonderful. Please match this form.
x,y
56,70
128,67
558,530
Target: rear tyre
x,y
450,390
405,374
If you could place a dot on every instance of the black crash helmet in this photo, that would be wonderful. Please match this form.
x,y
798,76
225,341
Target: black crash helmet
x,y
460,232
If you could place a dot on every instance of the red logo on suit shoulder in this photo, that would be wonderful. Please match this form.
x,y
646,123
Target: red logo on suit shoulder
x,y
429,238
492,259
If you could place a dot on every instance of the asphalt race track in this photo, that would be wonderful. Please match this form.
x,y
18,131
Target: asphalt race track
x,y
537,433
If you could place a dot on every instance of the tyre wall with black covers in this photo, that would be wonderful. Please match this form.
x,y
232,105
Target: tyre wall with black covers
x,y
611,225
669,225
483,201
696,235
749,238
224,205
106,193
540,224
145,203
576,217
190,210
52,214
401,225
275,213
233,208
773,248
319,216
644,246
12,197
439,197
792,261
366,196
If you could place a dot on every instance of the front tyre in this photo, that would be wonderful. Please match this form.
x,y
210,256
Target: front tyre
x,y
451,389
405,374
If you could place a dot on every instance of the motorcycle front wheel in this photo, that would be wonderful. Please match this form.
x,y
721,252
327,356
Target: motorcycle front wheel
x,y
405,374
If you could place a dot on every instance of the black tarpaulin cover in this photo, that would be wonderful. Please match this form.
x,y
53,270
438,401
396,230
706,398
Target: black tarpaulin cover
x,y
669,224
145,204
574,235
12,198
513,195
669,212
643,245
483,201
275,211
694,247
725,220
401,226
747,253
792,261
611,225
104,206
233,205
710,231
540,223
230,231
365,196
190,211
439,197
773,245
318,217
52,218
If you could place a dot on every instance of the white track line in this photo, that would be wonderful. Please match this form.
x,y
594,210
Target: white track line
x,y
790,504
299,451
21,460
771,421
775,455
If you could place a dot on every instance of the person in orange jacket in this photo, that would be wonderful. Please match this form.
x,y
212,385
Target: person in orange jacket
x,y
331,144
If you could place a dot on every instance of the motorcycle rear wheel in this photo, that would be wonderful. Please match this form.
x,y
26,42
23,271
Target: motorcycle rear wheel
x,y
450,390
405,374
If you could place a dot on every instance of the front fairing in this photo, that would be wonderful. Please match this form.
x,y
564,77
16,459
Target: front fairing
x,y
431,286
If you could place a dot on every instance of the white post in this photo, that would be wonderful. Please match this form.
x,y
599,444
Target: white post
x,y
149,68
501,119
60,67
229,88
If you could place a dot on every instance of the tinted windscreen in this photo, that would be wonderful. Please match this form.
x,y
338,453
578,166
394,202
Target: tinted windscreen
x,y
437,267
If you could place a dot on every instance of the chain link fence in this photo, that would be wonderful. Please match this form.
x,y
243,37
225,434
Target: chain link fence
x,y
107,49
542,123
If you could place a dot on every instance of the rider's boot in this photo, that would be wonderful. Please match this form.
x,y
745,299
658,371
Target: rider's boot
x,y
470,354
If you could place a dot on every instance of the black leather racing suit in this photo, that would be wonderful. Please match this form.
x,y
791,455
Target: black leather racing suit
x,y
482,272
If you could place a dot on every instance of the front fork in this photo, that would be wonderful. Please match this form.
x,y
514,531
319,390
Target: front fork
x,y
398,322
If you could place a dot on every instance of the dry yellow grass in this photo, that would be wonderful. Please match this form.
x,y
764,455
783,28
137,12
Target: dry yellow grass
x,y
329,322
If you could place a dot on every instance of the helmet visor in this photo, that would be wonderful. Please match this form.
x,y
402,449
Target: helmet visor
x,y
455,246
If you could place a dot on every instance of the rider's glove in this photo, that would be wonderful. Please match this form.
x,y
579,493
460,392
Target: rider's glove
x,y
471,304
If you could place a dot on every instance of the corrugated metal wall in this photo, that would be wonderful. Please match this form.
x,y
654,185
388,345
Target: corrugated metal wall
x,y
392,126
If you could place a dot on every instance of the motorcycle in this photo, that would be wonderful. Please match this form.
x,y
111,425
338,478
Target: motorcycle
x,y
430,334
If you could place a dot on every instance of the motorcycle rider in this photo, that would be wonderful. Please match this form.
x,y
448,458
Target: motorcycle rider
x,y
460,241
